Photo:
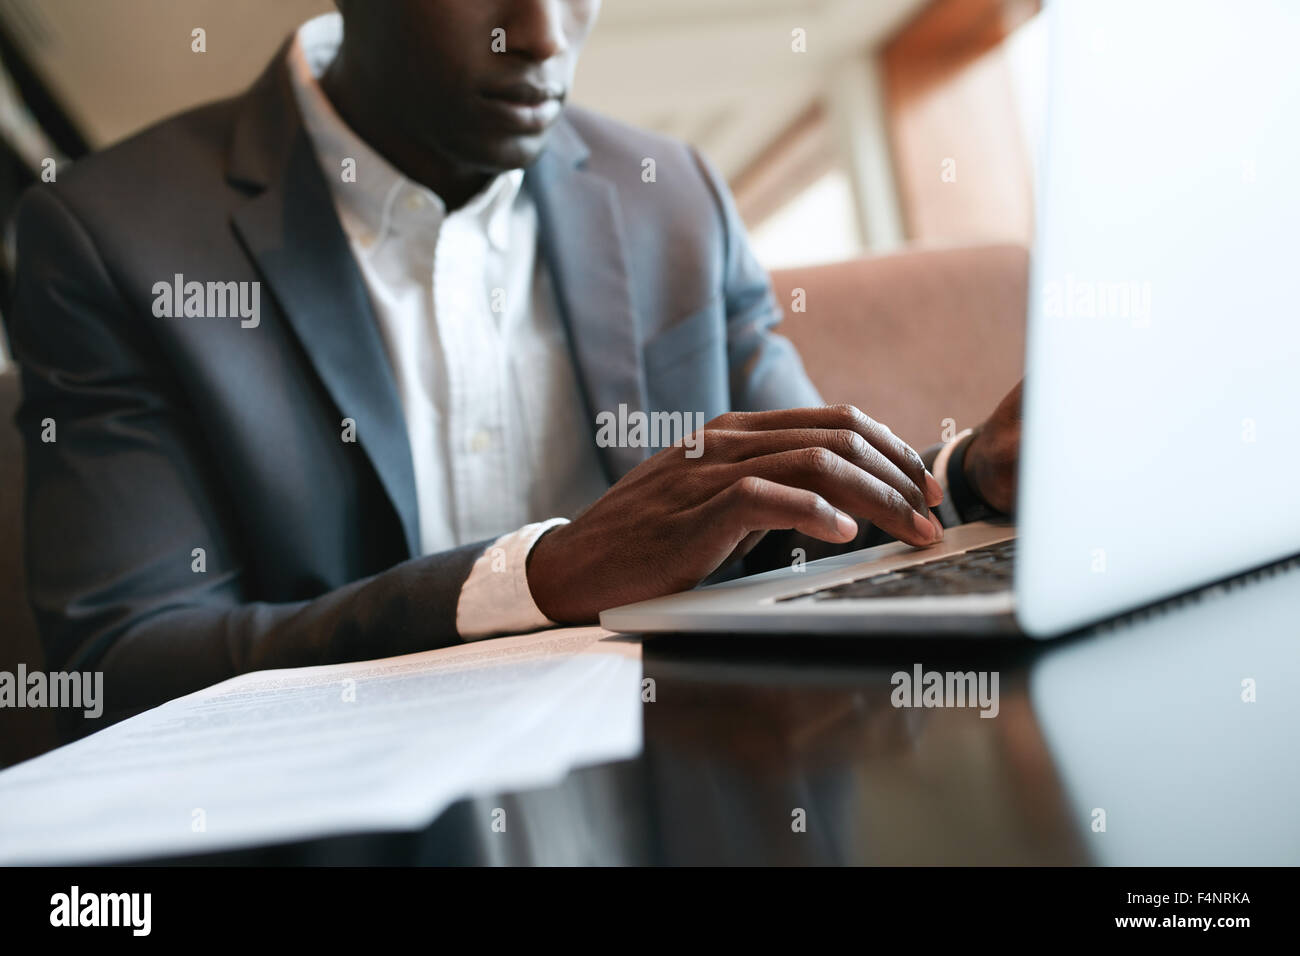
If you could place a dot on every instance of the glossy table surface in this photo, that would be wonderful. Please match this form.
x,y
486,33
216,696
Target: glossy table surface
x,y
1178,730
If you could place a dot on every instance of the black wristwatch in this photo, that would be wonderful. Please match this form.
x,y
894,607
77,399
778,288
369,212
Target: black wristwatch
x,y
970,506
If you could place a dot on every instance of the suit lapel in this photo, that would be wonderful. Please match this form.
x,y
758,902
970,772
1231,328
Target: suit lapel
x,y
582,239
291,231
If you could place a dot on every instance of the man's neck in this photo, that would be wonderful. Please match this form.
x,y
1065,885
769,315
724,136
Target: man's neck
x,y
454,184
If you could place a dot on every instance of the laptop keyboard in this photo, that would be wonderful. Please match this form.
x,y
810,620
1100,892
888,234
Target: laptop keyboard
x,y
984,570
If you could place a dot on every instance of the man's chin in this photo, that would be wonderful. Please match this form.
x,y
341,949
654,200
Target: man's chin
x,y
501,154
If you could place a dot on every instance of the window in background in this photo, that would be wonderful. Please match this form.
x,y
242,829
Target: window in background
x,y
931,139
797,198
818,225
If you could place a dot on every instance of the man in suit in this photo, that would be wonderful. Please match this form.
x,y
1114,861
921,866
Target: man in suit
x,y
312,374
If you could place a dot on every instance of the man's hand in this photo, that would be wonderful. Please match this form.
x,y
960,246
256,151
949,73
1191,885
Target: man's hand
x,y
993,455
673,520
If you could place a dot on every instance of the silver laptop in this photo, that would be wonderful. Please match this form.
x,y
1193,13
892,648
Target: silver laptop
x,y
1160,447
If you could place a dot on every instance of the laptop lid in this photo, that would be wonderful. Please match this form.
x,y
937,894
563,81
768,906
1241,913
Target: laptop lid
x,y
1160,448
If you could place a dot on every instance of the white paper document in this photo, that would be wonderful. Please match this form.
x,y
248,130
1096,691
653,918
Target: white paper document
x,y
292,754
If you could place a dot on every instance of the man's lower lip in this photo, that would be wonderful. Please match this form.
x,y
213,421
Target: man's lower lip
x,y
528,118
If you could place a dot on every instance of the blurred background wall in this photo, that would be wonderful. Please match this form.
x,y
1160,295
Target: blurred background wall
x,y
844,126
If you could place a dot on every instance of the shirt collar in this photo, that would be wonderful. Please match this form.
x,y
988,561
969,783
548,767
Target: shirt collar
x,y
373,196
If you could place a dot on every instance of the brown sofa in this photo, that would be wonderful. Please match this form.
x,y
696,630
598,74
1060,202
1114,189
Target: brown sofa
x,y
913,338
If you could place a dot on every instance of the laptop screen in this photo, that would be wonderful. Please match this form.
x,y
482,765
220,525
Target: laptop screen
x,y
1160,444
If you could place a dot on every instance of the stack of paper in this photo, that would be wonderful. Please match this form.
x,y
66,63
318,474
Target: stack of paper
x,y
292,754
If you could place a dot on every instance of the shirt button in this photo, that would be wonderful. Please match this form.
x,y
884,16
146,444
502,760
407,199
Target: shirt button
x,y
480,441
415,201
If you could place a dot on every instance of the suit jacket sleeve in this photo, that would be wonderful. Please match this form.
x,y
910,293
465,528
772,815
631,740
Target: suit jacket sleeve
x,y
765,370
118,498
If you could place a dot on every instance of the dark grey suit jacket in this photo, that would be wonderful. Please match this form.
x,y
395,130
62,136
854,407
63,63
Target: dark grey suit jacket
x,y
181,433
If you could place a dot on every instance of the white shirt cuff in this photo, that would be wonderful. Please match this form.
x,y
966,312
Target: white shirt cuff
x,y
948,515
495,598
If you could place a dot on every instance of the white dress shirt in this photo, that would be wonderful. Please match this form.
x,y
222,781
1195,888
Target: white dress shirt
x,y
497,428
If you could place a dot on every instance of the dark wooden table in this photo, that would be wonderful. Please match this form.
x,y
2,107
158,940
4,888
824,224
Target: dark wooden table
x,y
1147,721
